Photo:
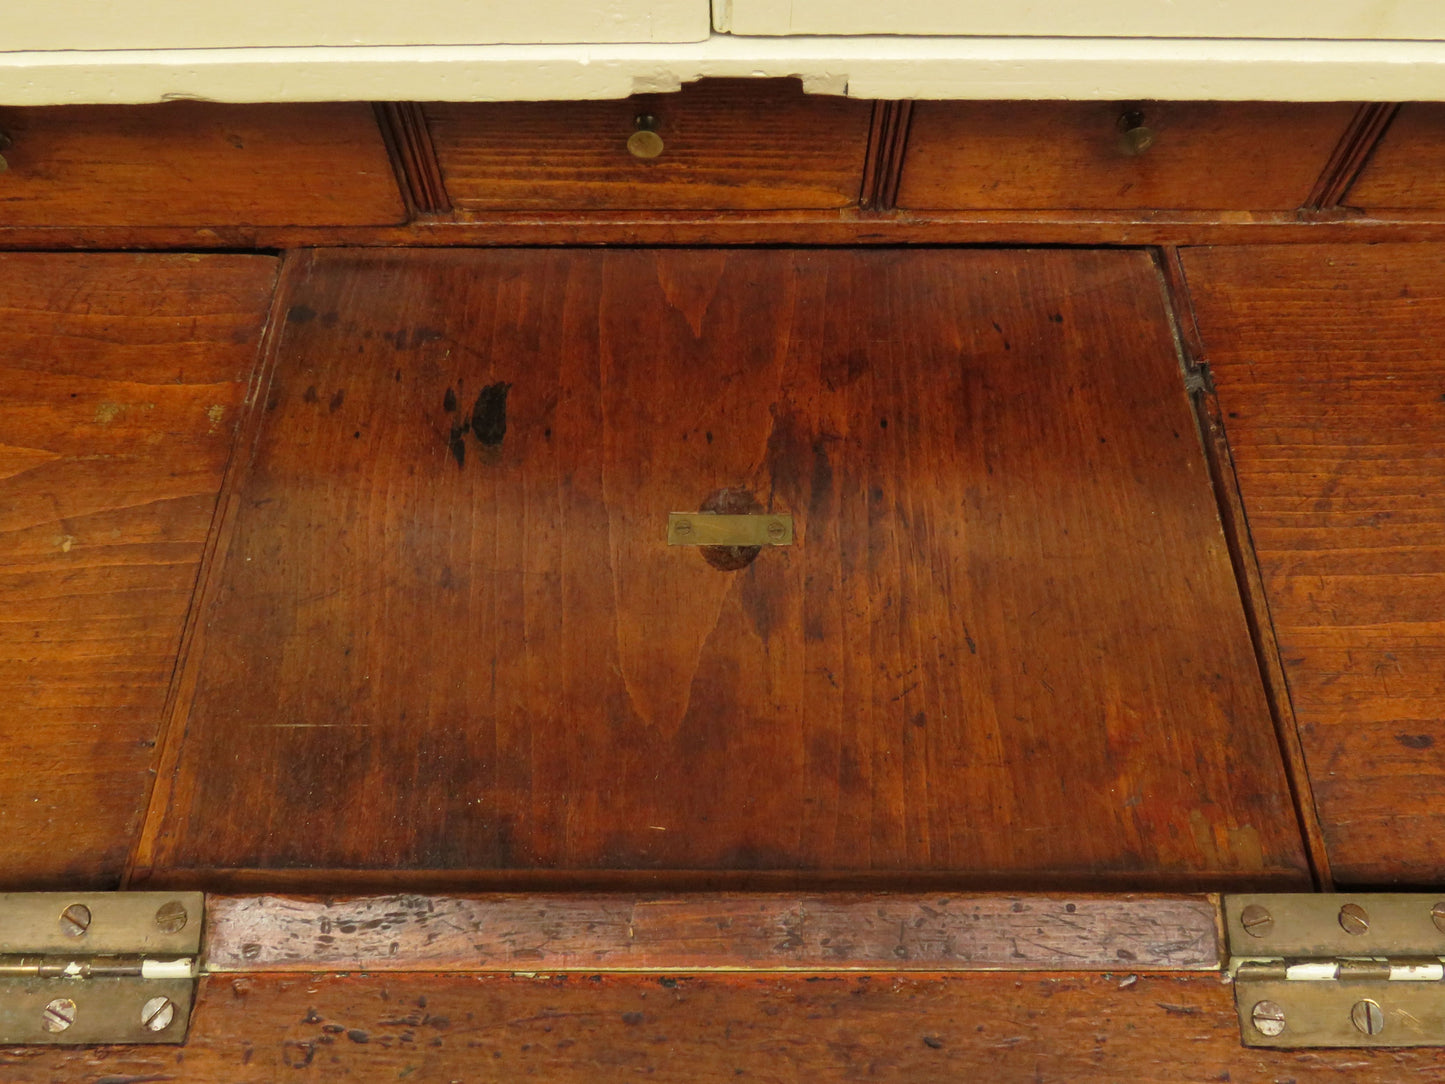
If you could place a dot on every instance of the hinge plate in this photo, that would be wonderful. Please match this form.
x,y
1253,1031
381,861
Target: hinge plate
x,y
1338,970
85,1011
98,967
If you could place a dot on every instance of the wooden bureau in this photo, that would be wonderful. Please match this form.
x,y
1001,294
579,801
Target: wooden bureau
x,y
340,448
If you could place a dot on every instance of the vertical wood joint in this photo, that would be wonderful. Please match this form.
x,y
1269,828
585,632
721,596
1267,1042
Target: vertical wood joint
x,y
413,156
1348,159
883,163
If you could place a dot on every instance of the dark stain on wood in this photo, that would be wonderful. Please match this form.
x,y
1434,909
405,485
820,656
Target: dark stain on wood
x,y
489,414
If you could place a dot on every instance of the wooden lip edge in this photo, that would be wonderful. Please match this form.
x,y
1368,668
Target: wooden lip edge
x,y
837,227
1248,577
631,933
175,719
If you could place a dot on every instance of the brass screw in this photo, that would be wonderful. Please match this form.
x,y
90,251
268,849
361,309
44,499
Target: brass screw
x,y
1256,920
172,917
1268,1018
1367,1017
75,920
1354,919
682,526
1437,916
776,530
158,1014
58,1015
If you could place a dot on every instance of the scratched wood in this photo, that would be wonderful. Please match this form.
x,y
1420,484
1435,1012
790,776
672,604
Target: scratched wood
x,y
1329,372
699,933
121,379
449,634
710,1029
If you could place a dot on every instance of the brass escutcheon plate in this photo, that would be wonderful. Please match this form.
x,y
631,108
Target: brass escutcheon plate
x,y
711,529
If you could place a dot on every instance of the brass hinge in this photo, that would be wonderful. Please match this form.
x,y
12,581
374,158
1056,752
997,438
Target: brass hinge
x,y
98,967
1338,970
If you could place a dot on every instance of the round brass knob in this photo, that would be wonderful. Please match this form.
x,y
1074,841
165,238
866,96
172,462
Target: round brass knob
x,y
645,142
1135,137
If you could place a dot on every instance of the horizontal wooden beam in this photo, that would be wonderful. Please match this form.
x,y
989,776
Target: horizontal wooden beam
x,y
725,931
890,67
714,1029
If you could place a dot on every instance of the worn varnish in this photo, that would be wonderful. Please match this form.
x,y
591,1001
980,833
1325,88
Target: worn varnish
x,y
1007,642
681,932
1406,171
204,164
436,1029
727,144
1330,376
121,381
1248,156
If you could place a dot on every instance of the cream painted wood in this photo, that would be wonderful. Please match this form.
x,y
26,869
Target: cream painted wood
x,y
872,67
220,24
1354,19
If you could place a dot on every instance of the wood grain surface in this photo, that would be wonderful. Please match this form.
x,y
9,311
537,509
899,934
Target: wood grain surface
x,y
1007,642
121,380
1247,156
728,143
196,164
438,1029
1330,376
709,932
1407,169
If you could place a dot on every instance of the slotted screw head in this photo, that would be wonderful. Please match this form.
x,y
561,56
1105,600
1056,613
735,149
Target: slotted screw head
x,y
683,526
1256,920
1354,919
1367,1017
58,1015
1437,916
1268,1018
172,917
776,530
75,920
158,1013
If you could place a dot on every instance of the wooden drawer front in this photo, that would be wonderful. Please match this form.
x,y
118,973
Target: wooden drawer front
x,y
196,164
1407,169
1062,155
729,144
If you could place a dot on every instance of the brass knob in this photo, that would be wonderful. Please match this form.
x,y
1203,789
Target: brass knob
x,y
1134,136
645,142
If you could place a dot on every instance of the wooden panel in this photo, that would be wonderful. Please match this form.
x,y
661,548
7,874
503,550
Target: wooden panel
x,y
704,932
728,144
436,1029
984,654
1328,369
1407,170
232,24
1046,155
196,164
1419,19
121,379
